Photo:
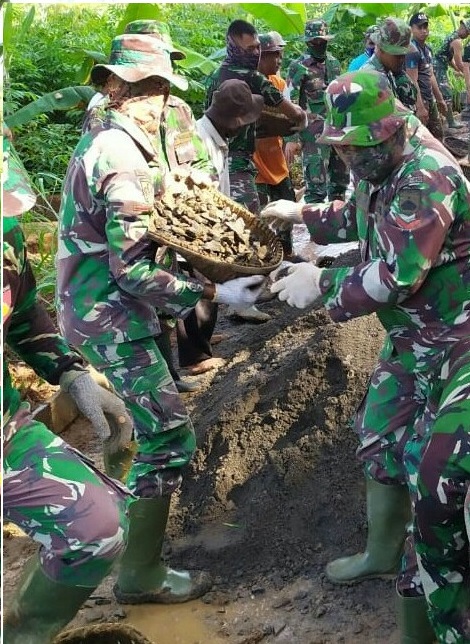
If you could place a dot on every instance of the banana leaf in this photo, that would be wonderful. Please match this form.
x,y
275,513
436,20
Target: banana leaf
x,y
284,20
62,99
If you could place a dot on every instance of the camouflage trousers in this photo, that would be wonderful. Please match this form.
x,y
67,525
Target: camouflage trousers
x,y
282,190
414,428
59,498
324,173
440,71
243,190
434,123
163,430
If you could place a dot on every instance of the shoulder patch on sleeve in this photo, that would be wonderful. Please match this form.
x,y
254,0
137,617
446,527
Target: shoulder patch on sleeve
x,y
409,201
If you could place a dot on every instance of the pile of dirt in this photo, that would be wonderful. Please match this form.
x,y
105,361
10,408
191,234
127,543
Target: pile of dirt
x,y
274,491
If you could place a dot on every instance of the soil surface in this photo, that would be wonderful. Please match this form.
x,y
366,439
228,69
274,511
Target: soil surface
x,y
274,492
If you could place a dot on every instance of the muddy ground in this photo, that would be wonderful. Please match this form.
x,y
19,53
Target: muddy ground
x,y
274,493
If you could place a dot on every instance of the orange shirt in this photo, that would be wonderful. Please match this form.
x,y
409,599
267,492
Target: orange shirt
x,y
269,155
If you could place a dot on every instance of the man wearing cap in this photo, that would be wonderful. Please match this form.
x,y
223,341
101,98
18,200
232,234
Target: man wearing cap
x,y
184,150
410,212
109,286
241,62
392,42
450,54
419,68
75,513
369,48
323,171
273,178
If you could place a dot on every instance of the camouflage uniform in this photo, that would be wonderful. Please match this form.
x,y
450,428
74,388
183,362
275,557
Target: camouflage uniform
x,y
414,232
50,490
109,287
441,64
242,170
393,37
307,78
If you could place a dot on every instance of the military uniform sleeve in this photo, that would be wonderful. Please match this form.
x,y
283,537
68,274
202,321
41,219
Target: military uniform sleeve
x,y
261,85
332,223
129,198
404,245
28,328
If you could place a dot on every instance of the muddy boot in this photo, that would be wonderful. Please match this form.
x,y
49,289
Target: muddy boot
x,y
41,607
388,512
413,621
143,578
451,122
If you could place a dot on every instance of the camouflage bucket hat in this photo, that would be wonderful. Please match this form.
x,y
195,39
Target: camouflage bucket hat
x,y
158,30
393,36
466,23
361,110
17,195
317,29
135,57
272,41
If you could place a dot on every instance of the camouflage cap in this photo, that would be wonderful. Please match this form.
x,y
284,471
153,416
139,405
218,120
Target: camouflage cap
x,y
316,29
272,41
393,37
135,57
370,30
361,110
17,195
159,30
466,24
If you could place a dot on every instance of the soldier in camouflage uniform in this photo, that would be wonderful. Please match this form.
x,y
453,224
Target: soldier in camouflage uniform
x,y
75,513
324,173
110,285
450,53
392,43
241,62
184,150
410,212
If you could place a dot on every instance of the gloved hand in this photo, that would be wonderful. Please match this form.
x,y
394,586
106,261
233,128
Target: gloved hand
x,y
201,178
106,412
301,286
282,213
242,290
281,271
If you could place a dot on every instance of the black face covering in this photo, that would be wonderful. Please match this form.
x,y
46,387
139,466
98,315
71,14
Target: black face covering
x,y
318,50
236,55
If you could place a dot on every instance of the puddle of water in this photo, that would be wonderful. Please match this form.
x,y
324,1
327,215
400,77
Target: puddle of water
x,y
173,624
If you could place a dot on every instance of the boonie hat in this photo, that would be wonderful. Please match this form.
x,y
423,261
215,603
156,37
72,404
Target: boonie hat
x,y
393,37
317,29
159,30
418,19
233,104
135,57
272,41
370,30
466,23
361,110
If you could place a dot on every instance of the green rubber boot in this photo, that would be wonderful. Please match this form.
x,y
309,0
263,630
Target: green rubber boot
x,y
413,621
388,512
41,607
451,122
143,578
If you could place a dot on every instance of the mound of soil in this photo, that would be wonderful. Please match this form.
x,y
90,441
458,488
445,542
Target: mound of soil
x,y
274,491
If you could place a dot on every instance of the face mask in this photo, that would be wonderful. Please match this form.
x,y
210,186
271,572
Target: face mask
x,y
370,51
318,51
236,55
374,163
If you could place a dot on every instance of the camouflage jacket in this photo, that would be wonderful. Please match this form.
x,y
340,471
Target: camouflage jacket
x,y
108,282
444,54
401,84
242,146
414,237
27,327
307,79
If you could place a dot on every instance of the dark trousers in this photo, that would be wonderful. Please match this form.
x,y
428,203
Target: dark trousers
x,y
282,190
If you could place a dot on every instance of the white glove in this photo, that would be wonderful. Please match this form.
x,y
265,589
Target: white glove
x,y
282,213
106,412
301,287
242,290
281,271
201,178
